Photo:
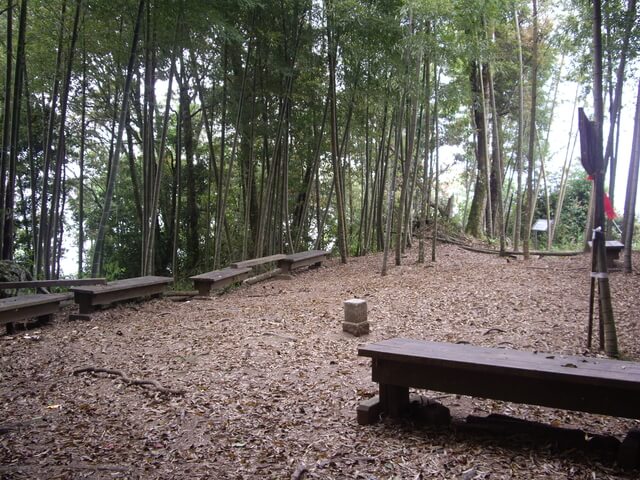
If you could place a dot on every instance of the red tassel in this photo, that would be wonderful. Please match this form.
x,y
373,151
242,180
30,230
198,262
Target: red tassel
x,y
608,208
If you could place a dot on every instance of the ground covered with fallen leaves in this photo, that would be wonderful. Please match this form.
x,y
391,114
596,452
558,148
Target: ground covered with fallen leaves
x,y
266,383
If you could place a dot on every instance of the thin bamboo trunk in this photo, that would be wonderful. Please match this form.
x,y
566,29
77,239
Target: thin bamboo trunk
x,y
177,204
632,191
5,153
61,146
96,264
392,192
517,224
44,238
436,114
81,159
335,154
565,170
227,182
497,164
616,102
425,164
532,132
8,243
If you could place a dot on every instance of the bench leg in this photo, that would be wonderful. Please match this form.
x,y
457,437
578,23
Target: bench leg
x,y
204,288
44,319
629,452
394,400
84,306
286,269
368,411
204,291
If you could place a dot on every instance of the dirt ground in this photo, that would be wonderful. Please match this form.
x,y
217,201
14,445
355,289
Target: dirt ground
x,y
266,383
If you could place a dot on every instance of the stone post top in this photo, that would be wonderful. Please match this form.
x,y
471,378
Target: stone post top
x,y
355,301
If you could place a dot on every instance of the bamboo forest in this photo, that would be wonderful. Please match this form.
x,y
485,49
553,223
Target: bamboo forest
x,y
173,137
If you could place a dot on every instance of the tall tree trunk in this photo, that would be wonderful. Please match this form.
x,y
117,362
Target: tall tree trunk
x,y
335,155
310,176
405,162
517,224
616,101
407,153
33,176
632,190
223,156
375,222
478,204
392,191
81,159
192,214
606,312
571,144
227,182
8,242
177,196
425,164
5,153
532,132
436,113
96,264
149,243
497,167
61,146
44,238
484,96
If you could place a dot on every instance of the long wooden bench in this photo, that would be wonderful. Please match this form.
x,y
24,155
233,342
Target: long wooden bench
x,y
40,306
255,262
64,282
312,258
219,279
89,298
586,384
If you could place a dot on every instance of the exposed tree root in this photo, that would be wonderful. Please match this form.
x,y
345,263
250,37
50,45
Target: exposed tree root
x,y
300,472
154,385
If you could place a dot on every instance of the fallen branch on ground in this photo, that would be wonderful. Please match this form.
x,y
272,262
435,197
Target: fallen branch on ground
x,y
178,293
263,276
532,253
130,381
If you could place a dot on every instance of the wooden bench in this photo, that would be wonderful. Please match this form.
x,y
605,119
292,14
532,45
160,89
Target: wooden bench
x,y
586,384
612,250
40,306
258,261
312,258
89,298
65,282
219,279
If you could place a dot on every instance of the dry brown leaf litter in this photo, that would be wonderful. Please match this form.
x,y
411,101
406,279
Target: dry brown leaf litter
x,y
271,383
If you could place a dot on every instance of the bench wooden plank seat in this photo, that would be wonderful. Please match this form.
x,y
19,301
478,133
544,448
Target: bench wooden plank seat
x,y
89,298
24,307
312,258
254,262
219,279
612,250
64,282
587,384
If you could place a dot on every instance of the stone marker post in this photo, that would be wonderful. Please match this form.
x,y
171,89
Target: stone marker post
x,y
355,317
